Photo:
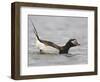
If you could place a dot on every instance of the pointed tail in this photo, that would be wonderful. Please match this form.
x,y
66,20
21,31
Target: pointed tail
x,y
35,31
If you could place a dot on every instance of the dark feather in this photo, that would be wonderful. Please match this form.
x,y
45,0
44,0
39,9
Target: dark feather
x,y
48,43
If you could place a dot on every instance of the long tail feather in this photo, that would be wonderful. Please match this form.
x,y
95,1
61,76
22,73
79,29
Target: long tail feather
x,y
35,31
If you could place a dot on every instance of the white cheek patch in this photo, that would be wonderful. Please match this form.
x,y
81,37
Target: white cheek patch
x,y
74,42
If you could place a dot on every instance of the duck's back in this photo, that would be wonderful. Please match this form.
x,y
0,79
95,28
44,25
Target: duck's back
x,y
45,47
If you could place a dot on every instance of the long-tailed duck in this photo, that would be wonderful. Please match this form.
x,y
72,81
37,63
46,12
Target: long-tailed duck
x,y
47,46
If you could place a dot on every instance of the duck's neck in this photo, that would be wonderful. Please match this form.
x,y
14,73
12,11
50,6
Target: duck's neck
x,y
65,49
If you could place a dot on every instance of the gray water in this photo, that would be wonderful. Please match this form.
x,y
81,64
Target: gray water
x,y
59,30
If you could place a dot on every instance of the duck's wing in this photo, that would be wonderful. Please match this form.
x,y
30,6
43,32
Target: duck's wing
x,y
48,43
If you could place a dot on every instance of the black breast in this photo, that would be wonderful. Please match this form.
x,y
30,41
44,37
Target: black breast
x,y
63,51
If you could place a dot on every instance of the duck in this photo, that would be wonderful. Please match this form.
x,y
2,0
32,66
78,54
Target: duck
x,y
48,46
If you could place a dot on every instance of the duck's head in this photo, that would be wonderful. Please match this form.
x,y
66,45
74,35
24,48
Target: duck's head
x,y
68,45
72,43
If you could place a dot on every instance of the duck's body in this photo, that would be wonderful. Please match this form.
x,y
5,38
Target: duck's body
x,y
45,47
50,47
